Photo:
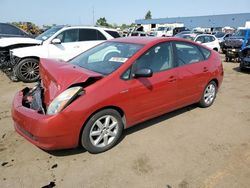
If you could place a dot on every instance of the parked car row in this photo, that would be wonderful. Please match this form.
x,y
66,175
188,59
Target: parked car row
x,y
233,45
206,39
20,57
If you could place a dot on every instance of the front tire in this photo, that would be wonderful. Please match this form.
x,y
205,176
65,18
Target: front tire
x,y
27,70
102,131
209,95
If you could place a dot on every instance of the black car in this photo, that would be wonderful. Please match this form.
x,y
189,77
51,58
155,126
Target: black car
x,y
245,58
8,30
232,45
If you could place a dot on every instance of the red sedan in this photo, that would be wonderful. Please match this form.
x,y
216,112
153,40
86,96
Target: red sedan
x,y
113,86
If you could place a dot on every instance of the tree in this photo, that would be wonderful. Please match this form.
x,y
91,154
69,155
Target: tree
x,y
102,22
148,16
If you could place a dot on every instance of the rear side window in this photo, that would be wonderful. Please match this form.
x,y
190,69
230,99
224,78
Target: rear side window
x,y
113,33
205,52
187,53
91,34
212,38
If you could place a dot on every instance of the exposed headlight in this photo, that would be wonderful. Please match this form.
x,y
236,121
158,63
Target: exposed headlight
x,y
63,100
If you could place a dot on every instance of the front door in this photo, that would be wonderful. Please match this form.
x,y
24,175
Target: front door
x,y
152,96
69,46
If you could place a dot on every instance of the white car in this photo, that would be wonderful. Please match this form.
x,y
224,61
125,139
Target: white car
x,y
206,39
161,32
60,42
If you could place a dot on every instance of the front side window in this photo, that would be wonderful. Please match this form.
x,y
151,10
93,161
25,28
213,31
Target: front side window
x,y
158,58
187,53
211,38
70,35
106,57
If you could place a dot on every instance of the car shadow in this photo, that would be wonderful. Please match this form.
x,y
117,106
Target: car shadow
x,y
67,152
126,132
237,69
156,120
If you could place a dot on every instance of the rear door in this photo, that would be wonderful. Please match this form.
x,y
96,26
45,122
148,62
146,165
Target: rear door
x,y
192,72
89,38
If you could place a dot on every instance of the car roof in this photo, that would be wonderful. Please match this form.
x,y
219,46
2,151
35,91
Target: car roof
x,y
87,27
146,40
138,40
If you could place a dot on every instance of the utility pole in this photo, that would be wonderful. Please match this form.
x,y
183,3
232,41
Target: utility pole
x,y
93,12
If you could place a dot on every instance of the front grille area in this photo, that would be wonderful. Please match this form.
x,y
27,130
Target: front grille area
x,y
33,98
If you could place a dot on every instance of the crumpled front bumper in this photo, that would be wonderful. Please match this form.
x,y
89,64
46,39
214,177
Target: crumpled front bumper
x,y
48,132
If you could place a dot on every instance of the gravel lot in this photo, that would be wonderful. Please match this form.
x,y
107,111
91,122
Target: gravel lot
x,y
191,147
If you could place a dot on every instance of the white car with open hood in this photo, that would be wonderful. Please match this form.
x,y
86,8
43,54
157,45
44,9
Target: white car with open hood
x,y
59,42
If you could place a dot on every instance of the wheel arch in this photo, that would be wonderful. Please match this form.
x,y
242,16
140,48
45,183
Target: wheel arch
x,y
27,57
118,109
216,81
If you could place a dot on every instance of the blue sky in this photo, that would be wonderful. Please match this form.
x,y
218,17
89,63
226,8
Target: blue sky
x,y
116,11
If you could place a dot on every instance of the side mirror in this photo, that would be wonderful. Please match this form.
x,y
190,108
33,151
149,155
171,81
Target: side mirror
x,y
56,41
199,42
143,73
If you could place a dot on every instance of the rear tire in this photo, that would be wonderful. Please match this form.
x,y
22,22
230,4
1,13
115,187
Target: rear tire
x,y
208,95
27,70
102,131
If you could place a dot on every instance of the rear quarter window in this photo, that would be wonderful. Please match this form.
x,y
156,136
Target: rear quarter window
x,y
113,33
206,53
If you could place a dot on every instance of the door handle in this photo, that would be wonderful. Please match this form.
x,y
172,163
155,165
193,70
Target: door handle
x,y
76,46
205,69
172,79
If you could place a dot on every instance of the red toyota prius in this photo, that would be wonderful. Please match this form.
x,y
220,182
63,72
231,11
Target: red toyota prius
x,y
113,86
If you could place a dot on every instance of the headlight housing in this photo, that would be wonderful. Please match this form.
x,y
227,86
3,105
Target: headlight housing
x,y
64,99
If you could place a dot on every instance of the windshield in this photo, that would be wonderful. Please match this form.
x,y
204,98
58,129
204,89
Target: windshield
x,y
240,33
106,57
45,35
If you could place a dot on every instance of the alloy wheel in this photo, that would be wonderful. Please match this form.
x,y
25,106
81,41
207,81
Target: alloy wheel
x,y
209,94
104,131
29,70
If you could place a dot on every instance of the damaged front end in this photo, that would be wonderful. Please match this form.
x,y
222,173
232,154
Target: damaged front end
x,y
245,58
33,98
8,62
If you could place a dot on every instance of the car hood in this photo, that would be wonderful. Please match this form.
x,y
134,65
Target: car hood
x,y
4,42
56,76
235,41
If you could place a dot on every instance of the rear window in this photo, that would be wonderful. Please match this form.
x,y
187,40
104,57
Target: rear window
x,y
113,33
